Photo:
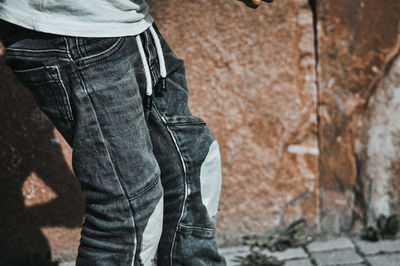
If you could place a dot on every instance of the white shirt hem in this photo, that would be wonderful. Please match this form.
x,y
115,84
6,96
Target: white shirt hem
x,y
77,28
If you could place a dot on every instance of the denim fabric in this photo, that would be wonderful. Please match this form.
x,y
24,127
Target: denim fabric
x,y
137,174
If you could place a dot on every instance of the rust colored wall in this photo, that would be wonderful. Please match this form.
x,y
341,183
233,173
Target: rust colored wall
x,y
329,153
251,77
357,43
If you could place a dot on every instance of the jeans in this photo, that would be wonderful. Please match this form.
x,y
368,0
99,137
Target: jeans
x,y
151,182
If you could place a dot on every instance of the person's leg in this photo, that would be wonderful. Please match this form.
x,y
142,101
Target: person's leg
x,y
189,158
89,90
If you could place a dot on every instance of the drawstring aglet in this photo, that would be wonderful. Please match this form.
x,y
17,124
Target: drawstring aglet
x,y
164,84
161,87
148,101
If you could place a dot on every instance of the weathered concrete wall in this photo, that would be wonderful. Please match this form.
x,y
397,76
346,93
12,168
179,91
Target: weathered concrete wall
x,y
357,41
328,153
379,146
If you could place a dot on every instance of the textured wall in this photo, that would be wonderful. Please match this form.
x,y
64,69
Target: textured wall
x,y
357,43
251,76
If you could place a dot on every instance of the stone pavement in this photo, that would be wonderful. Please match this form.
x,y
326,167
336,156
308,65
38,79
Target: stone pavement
x,y
343,251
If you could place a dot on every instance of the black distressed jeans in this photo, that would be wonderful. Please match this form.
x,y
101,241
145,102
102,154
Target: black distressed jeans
x,y
151,182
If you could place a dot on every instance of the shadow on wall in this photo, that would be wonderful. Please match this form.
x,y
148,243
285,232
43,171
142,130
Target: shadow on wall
x,y
26,147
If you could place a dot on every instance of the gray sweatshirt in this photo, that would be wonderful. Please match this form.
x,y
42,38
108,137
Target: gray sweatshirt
x,y
85,18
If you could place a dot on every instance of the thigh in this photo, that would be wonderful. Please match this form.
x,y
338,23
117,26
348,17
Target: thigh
x,y
112,146
35,61
88,89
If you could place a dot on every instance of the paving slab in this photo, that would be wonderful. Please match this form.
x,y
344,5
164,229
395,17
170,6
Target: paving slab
x,y
302,262
337,257
331,244
67,263
291,253
235,249
230,253
383,246
385,260
357,264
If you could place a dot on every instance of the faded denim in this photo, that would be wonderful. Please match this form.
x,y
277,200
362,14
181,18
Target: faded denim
x,y
135,173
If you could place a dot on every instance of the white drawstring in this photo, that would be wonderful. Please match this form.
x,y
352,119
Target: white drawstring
x,y
149,85
163,71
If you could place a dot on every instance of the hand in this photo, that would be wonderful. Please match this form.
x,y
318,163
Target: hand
x,y
254,3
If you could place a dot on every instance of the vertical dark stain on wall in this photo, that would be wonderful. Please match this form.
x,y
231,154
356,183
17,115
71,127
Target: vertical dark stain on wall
x,y
313,7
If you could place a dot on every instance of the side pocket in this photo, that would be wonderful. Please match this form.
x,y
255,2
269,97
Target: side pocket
x,y
51,96
48,89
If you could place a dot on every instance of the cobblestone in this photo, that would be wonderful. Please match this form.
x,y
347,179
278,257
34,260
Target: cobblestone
x,y
68,263
302,262
357,264
331,244
385,260
337,257
230,253
384,246
339,251
291,253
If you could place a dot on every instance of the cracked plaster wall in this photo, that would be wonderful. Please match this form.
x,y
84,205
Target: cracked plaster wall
x,y
357,43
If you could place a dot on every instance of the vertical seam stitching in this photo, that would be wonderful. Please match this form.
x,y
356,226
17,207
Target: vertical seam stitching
x,y
104,142
78,47
69,108
185,179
